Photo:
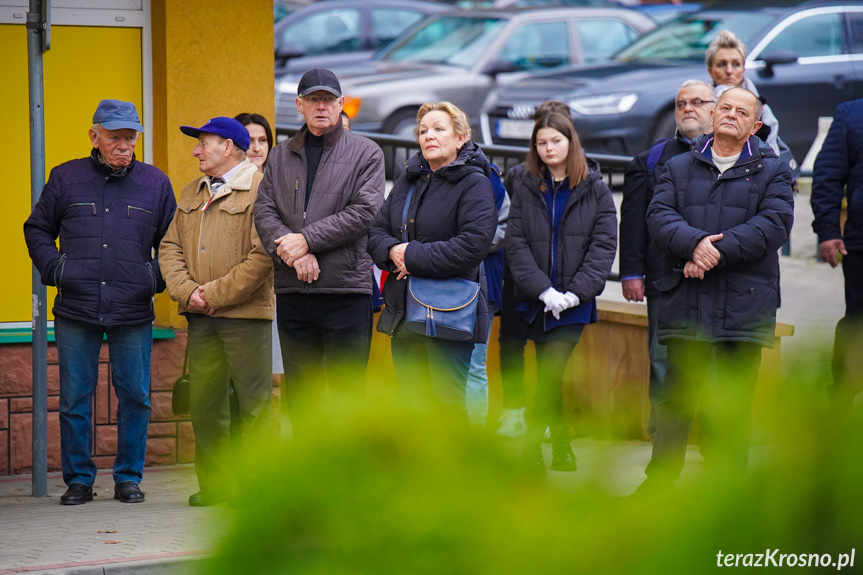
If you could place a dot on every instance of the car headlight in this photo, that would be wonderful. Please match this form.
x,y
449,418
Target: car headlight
x,y
605,104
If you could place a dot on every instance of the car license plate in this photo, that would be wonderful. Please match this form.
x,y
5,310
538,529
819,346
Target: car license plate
x,y
514,129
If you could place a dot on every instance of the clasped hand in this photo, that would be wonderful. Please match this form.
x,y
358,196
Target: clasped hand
x,y
198,302
705,257
397,256
556,302
291,247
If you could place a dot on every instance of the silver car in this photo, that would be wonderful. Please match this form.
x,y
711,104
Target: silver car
x,y
461,56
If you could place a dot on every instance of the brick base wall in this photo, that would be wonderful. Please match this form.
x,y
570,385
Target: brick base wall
x,y
170,437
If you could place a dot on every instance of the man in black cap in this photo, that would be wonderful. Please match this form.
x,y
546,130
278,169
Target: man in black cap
x,y
222,279
321,191
110,212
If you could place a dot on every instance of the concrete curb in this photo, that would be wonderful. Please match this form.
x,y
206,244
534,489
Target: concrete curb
x,y
170,566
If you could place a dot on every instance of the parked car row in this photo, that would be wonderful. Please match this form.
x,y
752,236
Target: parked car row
x,y
462,55
618,77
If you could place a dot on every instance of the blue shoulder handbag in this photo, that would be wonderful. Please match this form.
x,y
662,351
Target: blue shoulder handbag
x,y
439,308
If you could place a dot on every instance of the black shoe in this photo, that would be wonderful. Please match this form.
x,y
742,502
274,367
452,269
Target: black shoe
x,y
128,492
77,494
206,498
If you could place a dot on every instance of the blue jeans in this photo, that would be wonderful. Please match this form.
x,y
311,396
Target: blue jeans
x,y
476,395
432,371
129,349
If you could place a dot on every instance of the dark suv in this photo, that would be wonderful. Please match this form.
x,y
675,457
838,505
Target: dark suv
x,y
804,61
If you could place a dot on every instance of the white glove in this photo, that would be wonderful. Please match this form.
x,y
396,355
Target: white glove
x,y
554,301
571,300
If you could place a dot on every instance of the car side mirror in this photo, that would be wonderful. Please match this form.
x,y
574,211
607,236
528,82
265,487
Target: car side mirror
x,y
775,58
499,67
286,52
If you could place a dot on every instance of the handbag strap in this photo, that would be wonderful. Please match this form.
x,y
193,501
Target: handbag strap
x,y
404,228
186,360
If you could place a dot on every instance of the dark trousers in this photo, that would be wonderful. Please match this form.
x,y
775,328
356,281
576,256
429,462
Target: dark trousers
x,y
222,351
730,423
658,356
512,341
849,332
325,341
552,358
433,372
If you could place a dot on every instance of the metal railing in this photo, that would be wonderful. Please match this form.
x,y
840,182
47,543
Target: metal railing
x,y
396,149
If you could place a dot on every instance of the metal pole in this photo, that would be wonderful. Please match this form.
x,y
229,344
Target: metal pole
x,y
35,26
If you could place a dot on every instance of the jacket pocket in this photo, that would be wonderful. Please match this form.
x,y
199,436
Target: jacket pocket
x,y
153,282
83,208
138,213
750,303
673,305
58,274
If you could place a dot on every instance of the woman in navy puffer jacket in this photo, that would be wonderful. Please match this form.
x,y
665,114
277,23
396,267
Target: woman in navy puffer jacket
x,y
561,242
450,227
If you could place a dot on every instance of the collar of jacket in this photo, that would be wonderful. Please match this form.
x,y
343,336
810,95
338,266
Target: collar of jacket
x,y
242,180
469,159
593,175
331,136
753,150
105,170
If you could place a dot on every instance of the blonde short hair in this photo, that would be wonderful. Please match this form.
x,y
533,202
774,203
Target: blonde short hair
x,y
460,124
725,39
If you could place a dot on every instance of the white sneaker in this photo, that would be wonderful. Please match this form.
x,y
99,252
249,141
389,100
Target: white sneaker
x,y
512,423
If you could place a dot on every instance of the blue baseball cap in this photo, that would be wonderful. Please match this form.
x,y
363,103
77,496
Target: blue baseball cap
x,y
223,126
117,115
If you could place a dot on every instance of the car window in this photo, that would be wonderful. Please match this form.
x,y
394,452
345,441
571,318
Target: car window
x,y
327,32
454,40
387,23
855,28
688,37
819,35
536,46
602,38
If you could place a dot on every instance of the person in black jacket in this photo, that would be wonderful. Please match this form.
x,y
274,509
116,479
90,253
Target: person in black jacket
x,y
561,243
719,215
640,259
110,212
839,173
450,225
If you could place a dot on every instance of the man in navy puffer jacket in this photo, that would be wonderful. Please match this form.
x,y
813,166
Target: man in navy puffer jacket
x,y
719,214
110,213
839,173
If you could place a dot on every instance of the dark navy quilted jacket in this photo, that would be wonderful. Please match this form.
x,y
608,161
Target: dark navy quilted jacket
x,y
106,270
752,204
839,171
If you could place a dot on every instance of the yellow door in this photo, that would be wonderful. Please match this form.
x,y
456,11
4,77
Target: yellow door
x,y
83,66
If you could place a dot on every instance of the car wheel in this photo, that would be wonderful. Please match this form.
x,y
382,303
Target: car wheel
x,y
399,124
665,127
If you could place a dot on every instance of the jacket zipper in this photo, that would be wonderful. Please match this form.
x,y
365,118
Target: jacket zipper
x,y
61,265
152,276
91,204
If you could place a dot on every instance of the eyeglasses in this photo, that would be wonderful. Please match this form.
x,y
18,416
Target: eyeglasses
x,y
694,102
327,100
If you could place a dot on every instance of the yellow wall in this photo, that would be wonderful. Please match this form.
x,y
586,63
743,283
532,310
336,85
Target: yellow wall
x,y
74,81
209,59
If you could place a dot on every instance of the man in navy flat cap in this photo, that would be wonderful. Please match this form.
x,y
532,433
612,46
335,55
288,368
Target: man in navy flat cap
x,y
110,212
222,278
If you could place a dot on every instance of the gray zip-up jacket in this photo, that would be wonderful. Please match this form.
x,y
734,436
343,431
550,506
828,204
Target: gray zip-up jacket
x,y
347,193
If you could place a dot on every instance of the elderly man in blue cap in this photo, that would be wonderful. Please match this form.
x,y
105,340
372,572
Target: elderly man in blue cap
x,y
110,212
222,278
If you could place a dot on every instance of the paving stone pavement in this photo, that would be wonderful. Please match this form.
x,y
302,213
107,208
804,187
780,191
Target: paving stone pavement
x,y
40,535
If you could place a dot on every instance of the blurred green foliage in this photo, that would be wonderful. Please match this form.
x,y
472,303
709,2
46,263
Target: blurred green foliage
x,y
381,488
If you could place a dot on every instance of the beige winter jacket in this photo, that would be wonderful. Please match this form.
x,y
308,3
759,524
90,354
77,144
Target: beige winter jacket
x,y
219,249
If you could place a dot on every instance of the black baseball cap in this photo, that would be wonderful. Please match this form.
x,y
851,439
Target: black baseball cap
x,y
319,79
